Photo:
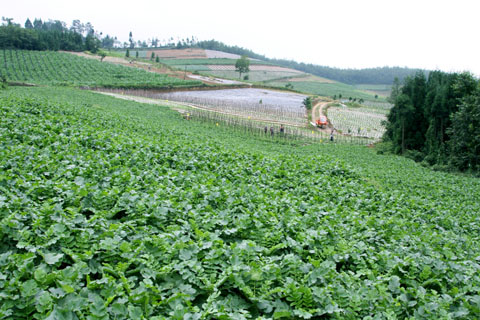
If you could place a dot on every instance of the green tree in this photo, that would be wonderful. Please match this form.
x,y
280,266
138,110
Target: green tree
x,y
395,91
37,24
405,127
8,21
436,119
465,134
131,41
108,42
307,102
152,56
127,54
242,65
28,24
92,44
157,59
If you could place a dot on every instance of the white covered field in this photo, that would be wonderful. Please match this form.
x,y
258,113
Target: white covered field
x,y
363,122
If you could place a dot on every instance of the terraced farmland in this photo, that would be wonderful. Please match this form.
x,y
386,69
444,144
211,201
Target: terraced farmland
x,y
59,68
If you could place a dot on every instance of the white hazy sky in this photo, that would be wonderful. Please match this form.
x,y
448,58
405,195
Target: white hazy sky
x,y
427,34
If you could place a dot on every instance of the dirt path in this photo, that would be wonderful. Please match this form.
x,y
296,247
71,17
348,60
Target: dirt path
x,y
320,109
178,105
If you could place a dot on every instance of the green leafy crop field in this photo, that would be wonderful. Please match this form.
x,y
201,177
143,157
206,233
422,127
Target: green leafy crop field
x,y
112,209
59,68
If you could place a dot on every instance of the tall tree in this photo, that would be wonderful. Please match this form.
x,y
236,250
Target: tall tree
x,y
37,24
242,65
92,44
465,134
108,42
77,27
438,118
7,21
28,24
131,41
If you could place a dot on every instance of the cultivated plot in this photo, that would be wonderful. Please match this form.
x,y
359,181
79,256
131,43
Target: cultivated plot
x,y
255,103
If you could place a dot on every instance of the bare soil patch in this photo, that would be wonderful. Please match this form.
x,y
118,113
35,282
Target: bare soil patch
x,y
178,53
256,67
319,109
311,78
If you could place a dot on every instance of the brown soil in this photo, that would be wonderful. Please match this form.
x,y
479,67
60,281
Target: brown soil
x,y
311,78
321,108
255,67
188,53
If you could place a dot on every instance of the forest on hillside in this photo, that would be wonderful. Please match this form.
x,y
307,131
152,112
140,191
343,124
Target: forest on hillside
x,y
52,35
436,119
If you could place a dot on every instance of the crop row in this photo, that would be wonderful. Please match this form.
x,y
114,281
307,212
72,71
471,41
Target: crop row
x,y
111,209
270,130
245,109
254,110
47,67
358,121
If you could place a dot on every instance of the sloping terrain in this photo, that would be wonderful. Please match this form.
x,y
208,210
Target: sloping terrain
x,y
114,209
60,68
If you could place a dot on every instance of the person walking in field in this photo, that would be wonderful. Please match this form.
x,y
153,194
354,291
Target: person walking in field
x,y
265,129
271,131
331,135
282,130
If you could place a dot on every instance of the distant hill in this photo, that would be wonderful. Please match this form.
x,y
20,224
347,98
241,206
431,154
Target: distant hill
x,y
220,64
381,75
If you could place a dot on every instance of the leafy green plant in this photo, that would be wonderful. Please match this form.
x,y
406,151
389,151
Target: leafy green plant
x,y
59,68
120,210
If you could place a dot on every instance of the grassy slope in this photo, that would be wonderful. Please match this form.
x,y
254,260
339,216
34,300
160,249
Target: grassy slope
x,y
146,205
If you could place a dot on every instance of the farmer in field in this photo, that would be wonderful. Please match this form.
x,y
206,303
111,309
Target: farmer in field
x,y
265,129
271,131
282,130
331,135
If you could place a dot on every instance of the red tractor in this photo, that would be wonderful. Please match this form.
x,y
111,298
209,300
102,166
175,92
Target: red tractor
x,y
322,122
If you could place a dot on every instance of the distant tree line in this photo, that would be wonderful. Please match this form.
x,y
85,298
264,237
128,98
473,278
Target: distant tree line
x,y
383,75
52,35
436,119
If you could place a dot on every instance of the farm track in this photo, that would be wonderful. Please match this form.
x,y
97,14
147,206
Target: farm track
x,y
321,108
179,104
